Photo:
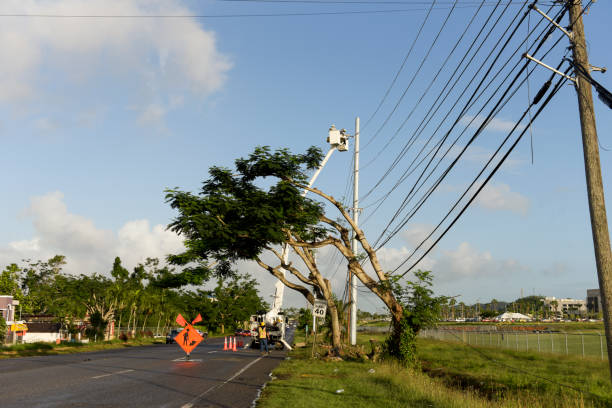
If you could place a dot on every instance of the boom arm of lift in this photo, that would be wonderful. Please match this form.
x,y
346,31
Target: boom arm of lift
x,y
279,287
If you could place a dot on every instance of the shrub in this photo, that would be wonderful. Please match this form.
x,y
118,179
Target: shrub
x,y
420,310
2,330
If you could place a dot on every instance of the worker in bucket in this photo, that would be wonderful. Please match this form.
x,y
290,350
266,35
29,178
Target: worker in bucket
x,y
263,338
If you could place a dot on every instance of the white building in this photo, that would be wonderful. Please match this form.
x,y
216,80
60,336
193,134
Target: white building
x,y
566,306
512,317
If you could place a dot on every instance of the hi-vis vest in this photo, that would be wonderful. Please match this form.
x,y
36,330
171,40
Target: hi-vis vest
x,y
262,333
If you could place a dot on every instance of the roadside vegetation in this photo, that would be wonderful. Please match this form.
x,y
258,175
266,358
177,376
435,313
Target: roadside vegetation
x,y
143,302
65,347
446,375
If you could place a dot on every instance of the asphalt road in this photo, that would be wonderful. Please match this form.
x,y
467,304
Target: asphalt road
x,y
150,376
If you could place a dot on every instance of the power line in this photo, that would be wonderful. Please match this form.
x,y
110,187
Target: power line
x,y
458,118
384,98
408,144
430,83
478,175
416,73
558,86
445,173
439,180
373,2
186,16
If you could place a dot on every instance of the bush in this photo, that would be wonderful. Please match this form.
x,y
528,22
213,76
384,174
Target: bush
x,y
2,330
420,310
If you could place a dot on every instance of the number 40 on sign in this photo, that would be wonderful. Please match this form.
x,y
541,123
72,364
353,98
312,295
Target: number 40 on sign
x,y
319,309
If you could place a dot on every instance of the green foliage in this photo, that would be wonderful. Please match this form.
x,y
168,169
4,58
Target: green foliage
x,y
9,282
233,217
97,326
3,329
232,301
304,319
421,309
488,314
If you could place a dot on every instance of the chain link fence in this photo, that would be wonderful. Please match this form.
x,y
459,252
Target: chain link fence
x,y
591,345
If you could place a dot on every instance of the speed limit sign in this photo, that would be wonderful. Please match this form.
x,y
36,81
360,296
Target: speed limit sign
x,y
319,309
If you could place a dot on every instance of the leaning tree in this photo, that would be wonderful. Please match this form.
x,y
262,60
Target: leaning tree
x,y
259,206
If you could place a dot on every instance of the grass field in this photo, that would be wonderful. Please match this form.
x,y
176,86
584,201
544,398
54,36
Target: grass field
x,y
451,375
584,327
499,373
587,344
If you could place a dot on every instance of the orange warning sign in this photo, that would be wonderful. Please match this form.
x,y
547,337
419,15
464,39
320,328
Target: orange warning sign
x,y
188,339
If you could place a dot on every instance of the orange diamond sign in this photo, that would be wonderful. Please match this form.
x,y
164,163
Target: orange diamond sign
x,y
188,339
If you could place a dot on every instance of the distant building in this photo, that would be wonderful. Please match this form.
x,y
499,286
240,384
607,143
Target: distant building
x,y
594,301
512,317
7,307
566,306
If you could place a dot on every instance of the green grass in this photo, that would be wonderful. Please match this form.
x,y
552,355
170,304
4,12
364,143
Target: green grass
x,y
302,382
585,327
572,343
43,349
499,373
451,375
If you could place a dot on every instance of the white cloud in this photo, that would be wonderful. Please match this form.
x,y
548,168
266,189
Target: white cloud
x,y
150,58
416,233
88,248
499,197
495,124
152,114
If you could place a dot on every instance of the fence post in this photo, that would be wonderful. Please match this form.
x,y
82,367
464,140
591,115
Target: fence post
x,y
538,342
490,339
552,343
566,350
516,340
582,339
527,342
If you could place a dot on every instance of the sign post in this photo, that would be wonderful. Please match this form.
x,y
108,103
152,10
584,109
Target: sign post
x,y
319,309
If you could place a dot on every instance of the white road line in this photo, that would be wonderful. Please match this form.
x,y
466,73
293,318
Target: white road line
x,y
242,370
106,375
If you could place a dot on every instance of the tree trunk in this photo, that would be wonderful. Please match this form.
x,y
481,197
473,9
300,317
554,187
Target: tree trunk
x,y
158,321
333,314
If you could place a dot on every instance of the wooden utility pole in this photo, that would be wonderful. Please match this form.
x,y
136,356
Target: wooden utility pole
x,y
597,205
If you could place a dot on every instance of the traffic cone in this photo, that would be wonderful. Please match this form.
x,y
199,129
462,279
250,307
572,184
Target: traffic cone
x,y
234,349
225,344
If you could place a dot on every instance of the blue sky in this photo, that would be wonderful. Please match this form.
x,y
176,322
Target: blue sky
x,y
99,116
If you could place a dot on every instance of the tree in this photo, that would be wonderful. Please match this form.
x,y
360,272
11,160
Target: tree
x,y
234,218
304,319
2,329
10,282
39,284
420,310
488,314
231,302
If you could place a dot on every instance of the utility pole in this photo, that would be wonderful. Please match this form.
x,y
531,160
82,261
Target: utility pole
x,y
595,192
353,279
